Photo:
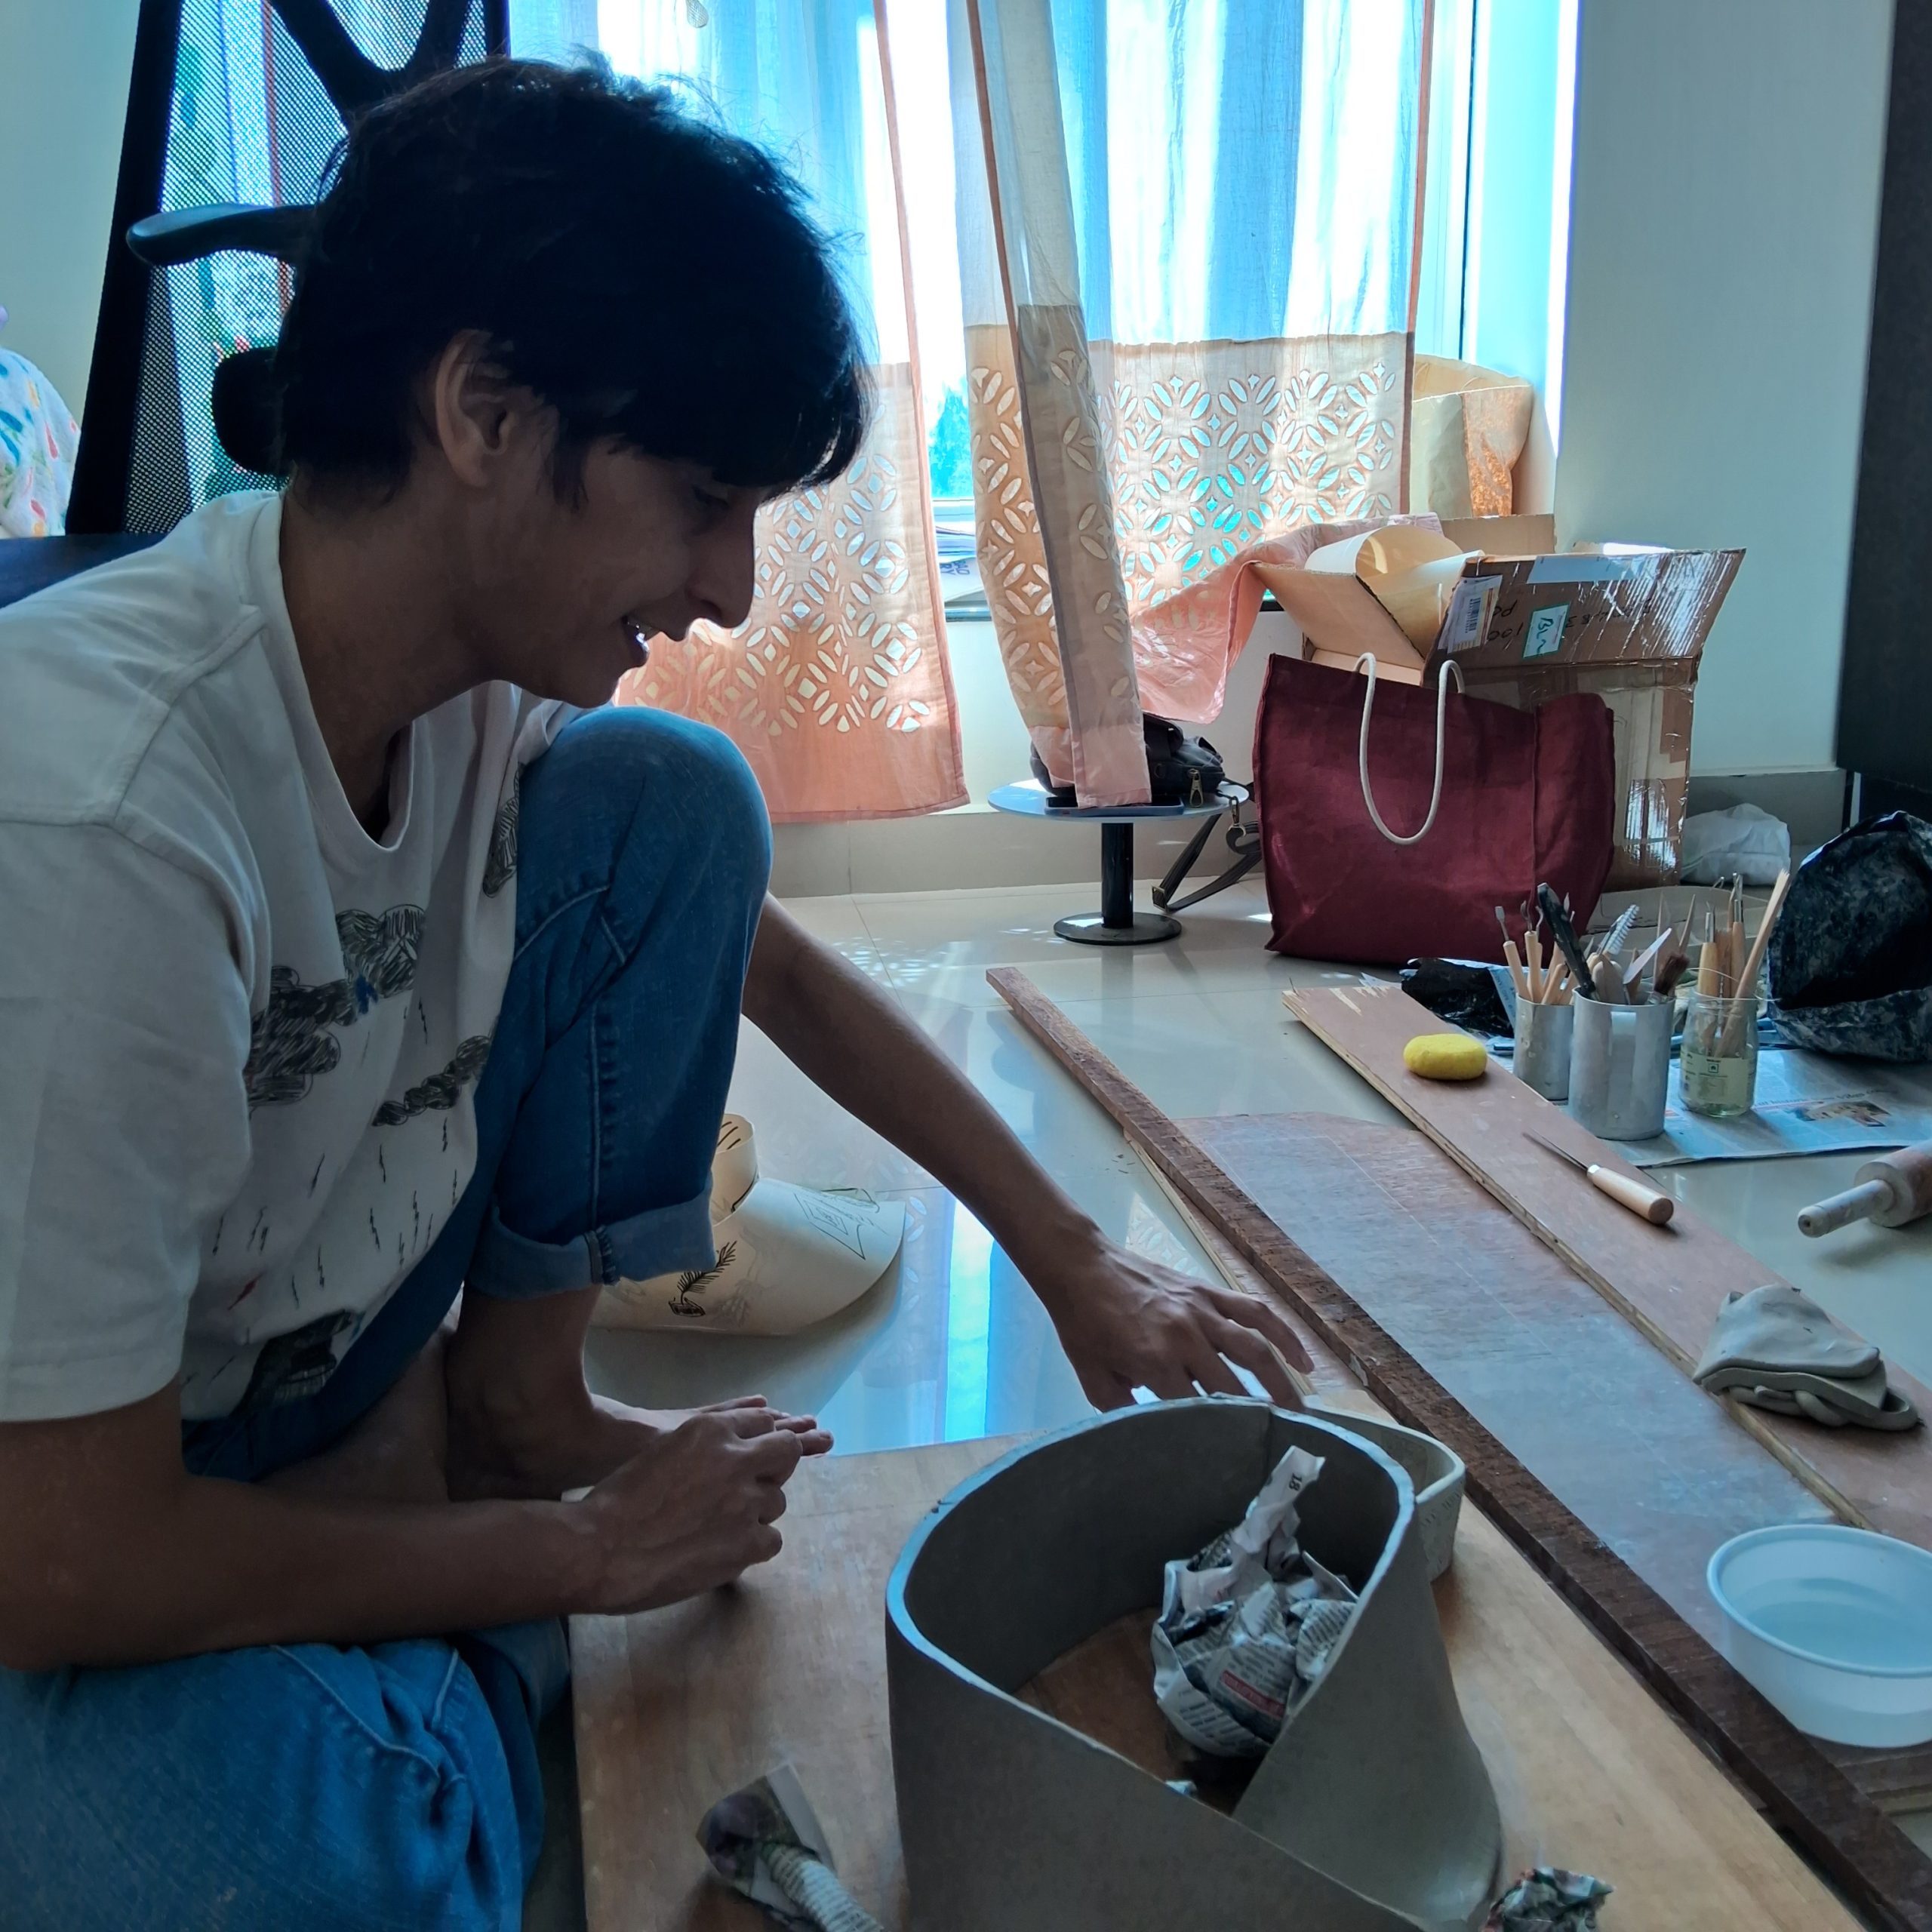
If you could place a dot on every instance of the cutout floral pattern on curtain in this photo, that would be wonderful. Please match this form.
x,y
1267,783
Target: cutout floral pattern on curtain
x,y
837,687
1185,235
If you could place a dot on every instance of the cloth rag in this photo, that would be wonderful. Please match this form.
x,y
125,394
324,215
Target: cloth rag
x,y
1547,1899
766,1842
1777,1349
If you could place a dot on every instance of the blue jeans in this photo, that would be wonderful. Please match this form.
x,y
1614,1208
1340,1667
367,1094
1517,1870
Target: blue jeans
x,y
310,1786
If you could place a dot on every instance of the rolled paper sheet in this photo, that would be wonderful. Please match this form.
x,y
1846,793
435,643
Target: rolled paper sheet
x,y
785,1257
1412,572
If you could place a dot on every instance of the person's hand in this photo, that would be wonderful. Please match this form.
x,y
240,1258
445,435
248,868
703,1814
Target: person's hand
x,y
1127,1322
692,1508
813,1440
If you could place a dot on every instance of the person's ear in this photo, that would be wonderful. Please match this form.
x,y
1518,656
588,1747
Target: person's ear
x,y
480,421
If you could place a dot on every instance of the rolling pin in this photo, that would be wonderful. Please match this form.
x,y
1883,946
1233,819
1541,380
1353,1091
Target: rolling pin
x,y
1892,1190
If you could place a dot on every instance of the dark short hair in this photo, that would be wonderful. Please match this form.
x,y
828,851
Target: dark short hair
x,y
654,279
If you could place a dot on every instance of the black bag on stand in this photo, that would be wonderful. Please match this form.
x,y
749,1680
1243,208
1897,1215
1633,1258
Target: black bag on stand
x,y
1181,771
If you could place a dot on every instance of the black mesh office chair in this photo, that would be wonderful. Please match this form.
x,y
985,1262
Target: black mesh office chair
x,y
227,140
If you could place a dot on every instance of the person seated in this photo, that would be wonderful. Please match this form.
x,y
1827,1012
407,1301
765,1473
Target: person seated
x,y
369,990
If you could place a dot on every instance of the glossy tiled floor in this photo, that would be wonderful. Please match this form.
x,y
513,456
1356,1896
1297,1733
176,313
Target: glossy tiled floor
x,y
952,1343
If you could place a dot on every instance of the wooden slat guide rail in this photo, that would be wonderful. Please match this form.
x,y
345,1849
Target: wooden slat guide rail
x,y
1879,1867
1668,1282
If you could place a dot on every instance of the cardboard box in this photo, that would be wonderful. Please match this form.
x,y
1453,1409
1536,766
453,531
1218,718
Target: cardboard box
x,y
1627,622
1340,619
1530,623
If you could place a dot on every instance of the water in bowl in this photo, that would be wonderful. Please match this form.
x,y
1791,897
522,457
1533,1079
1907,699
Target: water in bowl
x,y
1845,1621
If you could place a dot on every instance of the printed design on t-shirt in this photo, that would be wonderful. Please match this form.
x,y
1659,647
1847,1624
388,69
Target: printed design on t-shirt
x,y
499,868
440,1090
289,1044
292,1366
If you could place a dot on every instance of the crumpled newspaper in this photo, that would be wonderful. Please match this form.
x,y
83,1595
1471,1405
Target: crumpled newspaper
x,y
766,1841
1246,1627
1549,1899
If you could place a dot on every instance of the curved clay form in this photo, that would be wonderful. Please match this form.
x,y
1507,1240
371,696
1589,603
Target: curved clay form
x,y
1371,1812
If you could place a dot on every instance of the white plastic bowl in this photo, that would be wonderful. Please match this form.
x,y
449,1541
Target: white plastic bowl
x,y
1834,1626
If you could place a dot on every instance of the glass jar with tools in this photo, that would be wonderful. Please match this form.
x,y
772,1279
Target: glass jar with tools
x,y
1717,1067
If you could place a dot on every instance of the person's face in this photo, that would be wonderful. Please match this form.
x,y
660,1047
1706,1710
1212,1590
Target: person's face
x,y
560,592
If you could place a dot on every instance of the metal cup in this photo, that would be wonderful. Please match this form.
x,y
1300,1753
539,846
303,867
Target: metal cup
x,y
1620,1068
1542,1059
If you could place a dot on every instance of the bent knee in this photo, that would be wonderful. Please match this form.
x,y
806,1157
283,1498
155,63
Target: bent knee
x,y
689,779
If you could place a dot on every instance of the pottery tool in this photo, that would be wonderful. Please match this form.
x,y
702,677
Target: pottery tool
x,y
1671,968
1564,932
1548,981
1646,1203
1891,1190
1633,971
1613,939
1732,1040
1606,982
1514,960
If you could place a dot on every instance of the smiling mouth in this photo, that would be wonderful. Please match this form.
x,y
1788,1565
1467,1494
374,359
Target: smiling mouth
x,y
639,639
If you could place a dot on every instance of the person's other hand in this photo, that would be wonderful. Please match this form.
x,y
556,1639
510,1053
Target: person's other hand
x,y
694,1507
1127,1322
813,1440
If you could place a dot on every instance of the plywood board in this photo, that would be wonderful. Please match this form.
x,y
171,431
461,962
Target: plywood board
x,y
677,1707
1641,1456
1882,1870
1669,1282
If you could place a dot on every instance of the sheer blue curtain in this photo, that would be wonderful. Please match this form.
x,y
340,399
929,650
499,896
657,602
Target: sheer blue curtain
x,y
1186,230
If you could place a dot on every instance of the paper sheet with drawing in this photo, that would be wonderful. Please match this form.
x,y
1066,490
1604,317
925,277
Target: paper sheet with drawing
x,y
787,1256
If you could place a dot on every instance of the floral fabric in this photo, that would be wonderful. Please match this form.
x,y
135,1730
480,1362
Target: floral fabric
x,y
38,437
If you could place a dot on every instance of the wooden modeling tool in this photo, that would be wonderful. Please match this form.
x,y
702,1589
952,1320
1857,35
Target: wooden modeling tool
x,y
1891,1190
1514,960
1646,1202
1732,1041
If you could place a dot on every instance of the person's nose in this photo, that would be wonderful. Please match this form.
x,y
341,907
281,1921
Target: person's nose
x,y
726,577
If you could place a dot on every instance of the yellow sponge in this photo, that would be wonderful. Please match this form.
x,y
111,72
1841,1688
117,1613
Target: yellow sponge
x,y
1445,1057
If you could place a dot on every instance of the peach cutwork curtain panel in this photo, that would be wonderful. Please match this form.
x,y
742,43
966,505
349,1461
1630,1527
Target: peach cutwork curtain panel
x,y
1186,228
836,688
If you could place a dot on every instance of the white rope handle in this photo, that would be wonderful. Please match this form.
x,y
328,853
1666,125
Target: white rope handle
x,y
1449,664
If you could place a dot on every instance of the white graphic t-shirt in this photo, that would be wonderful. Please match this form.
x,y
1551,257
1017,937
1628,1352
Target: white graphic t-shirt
x,y
239,1037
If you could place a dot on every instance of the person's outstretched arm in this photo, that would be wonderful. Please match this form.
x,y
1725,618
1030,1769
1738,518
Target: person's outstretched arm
x,y
1124,1321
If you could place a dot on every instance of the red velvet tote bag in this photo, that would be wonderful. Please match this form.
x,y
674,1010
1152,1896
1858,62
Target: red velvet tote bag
x,y
1509,798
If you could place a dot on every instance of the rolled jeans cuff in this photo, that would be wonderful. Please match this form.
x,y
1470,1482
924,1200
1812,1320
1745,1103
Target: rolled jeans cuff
x,y
661,1240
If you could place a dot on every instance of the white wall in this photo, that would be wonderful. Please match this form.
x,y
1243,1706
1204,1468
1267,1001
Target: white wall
x,y
1723,230
63,95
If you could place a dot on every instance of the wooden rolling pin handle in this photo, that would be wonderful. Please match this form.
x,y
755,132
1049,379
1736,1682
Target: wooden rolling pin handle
x,y
1641,1199
1908,1173
1855,1203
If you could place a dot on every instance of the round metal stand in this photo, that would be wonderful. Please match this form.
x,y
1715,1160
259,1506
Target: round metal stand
x,y
1116,923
